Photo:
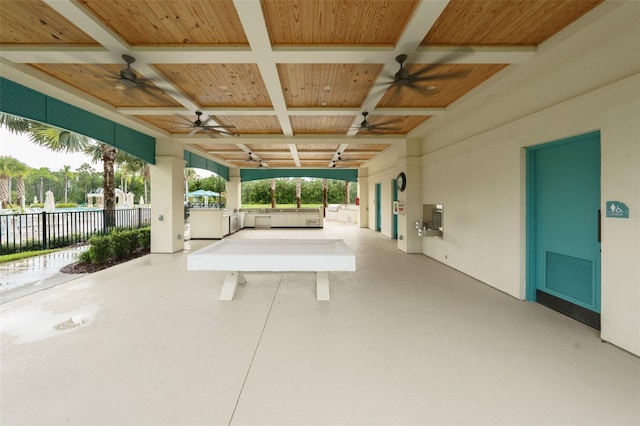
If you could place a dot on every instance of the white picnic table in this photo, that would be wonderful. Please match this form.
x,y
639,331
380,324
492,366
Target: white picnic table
x,y
237,256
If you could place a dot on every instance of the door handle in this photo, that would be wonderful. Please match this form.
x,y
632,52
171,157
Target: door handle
x,y
599,225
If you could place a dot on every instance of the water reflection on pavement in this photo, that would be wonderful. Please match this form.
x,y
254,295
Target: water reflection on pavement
x,y
25,276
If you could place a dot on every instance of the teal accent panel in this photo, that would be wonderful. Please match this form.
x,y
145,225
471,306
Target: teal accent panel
x,y
69,117
24,102
350,175
198,162
135,143
394,197
378,207
19,100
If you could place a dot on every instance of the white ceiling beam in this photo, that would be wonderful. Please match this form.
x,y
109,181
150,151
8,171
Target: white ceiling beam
x,y
255,28
298,140
430,55
90,25
293,149
291,111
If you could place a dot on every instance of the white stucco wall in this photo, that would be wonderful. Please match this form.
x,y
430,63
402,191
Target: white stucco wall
x,y
584,79
383,170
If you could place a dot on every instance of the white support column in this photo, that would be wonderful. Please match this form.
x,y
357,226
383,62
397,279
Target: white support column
x,y
167,203
234,190
363,195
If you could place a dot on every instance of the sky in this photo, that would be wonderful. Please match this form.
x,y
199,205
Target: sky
x,y
35,156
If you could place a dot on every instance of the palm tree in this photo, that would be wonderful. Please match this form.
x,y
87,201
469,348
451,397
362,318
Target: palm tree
x,y
298,191
325,188
66,174
273,193
7,165
21,171
189,174
136,165
43,173
63,140
108,155
10,168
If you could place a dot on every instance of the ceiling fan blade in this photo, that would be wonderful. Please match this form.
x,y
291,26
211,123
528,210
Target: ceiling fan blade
x,y
383,123
446,76
218,127
371,131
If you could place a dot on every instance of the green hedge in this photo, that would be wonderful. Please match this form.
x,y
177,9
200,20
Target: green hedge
x,y
119,244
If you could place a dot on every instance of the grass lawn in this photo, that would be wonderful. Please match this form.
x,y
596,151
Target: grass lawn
x,y
24,255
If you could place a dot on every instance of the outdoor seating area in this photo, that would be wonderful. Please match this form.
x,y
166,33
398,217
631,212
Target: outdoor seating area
x,y
147,342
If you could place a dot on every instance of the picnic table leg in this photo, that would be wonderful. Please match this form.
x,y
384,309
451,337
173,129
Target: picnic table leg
x,y
231,282
322,286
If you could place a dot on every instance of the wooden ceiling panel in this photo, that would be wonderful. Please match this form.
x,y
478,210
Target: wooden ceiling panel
x,y
219,85
513,22
320,124
327,61
218,151
250,124
317,147
269,147
171,22
327,85
34,22
224,148
366,147
180,124
439,93
336,22
100,81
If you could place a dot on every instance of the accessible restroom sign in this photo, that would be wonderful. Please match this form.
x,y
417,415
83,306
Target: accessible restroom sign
x,y
617,209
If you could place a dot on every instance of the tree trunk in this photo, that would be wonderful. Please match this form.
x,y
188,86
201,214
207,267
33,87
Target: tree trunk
x,y
41,189
4,190
325,187
66,189
21,192
109,155
298,192
273,193
346,192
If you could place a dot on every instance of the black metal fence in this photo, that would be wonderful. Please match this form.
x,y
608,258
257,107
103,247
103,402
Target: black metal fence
x,y
37,231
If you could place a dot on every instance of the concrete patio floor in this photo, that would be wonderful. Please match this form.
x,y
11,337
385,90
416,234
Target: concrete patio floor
x,y
405,340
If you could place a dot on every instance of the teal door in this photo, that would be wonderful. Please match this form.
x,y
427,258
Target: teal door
x,y
394,197
564,226
378,207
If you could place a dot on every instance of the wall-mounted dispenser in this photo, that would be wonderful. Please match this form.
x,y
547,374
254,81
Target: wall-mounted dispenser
x,y
432,223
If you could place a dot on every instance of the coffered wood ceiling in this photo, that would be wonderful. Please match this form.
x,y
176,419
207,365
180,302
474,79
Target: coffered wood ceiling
x,y
289,78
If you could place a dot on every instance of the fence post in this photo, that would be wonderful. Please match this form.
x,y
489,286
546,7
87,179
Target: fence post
x,y
45,242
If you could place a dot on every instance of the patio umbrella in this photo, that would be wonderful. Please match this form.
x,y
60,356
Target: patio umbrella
x,y
49,202
202,193
141,200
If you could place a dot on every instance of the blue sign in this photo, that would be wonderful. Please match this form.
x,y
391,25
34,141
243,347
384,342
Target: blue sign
x,y
617,209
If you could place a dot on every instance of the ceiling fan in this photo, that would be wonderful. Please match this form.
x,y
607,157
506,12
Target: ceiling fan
x,y
373,128
129,79
404,78
254,158
199,125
